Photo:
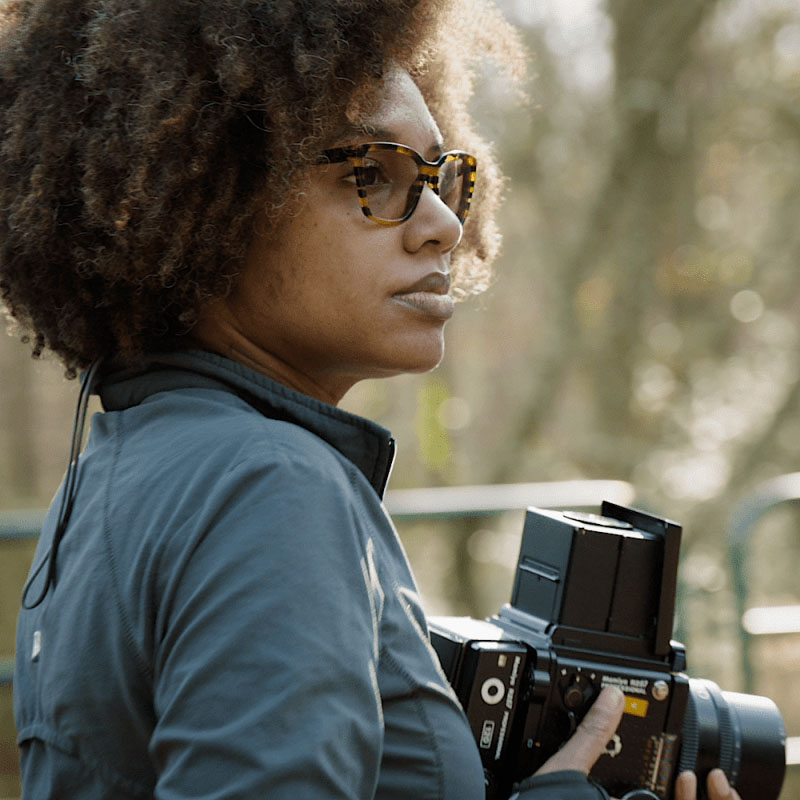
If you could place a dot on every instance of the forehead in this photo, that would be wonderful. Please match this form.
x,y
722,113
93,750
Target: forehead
x,y
403,116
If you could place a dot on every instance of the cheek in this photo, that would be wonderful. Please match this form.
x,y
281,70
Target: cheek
x,y
346,262
276,266
328,262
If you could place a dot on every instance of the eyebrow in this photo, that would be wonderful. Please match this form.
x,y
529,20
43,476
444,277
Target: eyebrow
x,y
357,132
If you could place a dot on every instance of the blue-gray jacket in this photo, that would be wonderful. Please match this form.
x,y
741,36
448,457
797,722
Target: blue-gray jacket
x,y
234,615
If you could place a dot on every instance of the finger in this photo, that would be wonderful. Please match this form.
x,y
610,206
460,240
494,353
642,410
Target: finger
x,y
591,738
686,786
719,788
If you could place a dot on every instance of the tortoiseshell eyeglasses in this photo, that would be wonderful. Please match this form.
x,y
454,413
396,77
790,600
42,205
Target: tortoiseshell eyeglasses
x,y
389,179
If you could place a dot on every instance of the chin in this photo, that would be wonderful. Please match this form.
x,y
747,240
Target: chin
x,y
421,365
411,355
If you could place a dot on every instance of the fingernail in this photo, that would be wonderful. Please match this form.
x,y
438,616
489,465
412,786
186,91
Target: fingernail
x,y
718,781
686,785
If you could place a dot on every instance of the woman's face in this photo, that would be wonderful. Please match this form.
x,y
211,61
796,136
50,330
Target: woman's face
x,y
333,297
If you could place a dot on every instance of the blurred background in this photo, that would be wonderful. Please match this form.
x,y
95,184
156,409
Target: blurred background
x,y
643,327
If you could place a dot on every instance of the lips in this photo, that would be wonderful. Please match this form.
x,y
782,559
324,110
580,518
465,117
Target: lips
x,y
434,282
429,296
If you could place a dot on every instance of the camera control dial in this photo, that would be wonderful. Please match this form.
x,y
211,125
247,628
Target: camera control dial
x,y
579,693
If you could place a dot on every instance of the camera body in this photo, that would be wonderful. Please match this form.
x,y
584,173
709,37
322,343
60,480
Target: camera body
x,y
592,605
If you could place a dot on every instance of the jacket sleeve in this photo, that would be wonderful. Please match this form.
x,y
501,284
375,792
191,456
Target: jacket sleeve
x,y
265,660
563,785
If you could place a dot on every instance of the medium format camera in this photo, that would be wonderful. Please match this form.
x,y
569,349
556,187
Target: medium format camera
x,y
592,606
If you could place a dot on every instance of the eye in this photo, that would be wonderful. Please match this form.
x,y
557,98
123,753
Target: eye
x,y
373,174
450,178
446,184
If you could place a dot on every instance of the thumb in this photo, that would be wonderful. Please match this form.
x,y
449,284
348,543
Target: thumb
x,y
589,741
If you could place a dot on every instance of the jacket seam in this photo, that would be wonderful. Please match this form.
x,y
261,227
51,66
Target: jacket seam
x,y
128,637
65,745
414,690
386,657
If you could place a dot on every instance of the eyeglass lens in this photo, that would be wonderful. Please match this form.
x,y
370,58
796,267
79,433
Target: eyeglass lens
x,y
392,183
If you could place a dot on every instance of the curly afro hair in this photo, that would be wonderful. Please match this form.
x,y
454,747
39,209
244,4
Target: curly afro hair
x,y
139,138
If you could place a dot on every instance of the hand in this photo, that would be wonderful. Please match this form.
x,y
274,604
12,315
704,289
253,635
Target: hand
x,y
591,738
718,786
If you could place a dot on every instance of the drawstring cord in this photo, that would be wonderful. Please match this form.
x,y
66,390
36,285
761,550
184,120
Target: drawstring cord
x,y
69,492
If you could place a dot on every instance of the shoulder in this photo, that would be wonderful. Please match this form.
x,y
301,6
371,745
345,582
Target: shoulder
x,y
202,468
207,430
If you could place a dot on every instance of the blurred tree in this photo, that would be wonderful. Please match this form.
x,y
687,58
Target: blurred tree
x,y
643,324
19,468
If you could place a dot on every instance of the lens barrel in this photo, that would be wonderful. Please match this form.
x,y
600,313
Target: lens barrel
x,y
742,734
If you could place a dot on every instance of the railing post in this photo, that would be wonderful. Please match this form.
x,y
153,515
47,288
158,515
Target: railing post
x,y
746,515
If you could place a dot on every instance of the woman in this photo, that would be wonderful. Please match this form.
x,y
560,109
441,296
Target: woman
x,y
205,205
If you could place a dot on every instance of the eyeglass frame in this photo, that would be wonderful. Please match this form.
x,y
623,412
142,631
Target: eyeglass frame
x,y
428,174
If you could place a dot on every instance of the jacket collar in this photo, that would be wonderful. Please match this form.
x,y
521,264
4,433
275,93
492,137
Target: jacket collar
x,y
366,444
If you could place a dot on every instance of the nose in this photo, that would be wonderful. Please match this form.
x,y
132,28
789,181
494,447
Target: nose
x,y
432,223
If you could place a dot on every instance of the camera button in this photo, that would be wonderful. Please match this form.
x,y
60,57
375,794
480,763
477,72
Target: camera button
x,y
577,694
660,690
492,691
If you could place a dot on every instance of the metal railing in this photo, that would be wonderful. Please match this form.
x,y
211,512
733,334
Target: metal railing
x,y
758,621
17,526
466,501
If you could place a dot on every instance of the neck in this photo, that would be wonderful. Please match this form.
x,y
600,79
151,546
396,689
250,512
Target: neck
x,y
218,331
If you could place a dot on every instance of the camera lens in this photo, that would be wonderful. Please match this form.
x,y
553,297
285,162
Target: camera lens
x,y
741,733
